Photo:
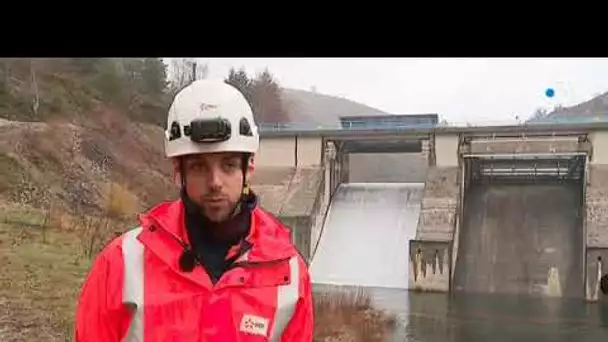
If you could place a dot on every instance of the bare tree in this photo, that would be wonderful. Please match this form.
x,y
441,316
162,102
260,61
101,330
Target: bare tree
x,y
267,102
5,73
184,71
240,80
263,93
539,114
36,99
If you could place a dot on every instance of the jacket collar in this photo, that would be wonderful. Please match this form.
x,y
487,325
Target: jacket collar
x,y
270,240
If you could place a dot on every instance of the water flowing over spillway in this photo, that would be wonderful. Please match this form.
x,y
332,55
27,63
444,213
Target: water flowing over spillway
x,y
366,235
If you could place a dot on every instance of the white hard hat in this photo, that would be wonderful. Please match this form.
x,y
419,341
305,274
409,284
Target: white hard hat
x,y
210,116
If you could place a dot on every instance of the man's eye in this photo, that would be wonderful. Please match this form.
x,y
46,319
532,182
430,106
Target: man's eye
x,y
196,166
230,165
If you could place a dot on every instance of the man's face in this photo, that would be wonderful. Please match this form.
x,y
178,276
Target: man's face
x,y
215,182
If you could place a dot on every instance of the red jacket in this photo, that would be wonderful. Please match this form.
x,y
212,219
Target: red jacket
x,y
135,290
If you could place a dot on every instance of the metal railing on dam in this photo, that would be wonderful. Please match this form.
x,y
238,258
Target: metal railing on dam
x,y
393,126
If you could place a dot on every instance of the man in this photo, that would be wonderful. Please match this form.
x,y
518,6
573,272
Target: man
x,y
211,266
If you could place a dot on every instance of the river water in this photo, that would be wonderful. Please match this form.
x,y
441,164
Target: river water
x,y
440,317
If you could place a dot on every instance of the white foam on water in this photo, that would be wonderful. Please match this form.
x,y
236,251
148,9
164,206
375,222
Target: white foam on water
x,y
365,240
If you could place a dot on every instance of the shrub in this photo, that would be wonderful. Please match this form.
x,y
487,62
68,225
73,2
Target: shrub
x,y
119,201
350,316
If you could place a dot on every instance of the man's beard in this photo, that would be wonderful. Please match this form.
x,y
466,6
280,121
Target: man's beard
x,y
218,212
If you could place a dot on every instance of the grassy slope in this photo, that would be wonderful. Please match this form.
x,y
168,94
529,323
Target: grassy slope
x,y
41,276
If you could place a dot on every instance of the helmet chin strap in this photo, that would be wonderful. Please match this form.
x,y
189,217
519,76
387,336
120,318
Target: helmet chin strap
x,y
237,207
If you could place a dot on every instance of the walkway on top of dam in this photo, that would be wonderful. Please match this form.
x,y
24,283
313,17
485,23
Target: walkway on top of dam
x,y
425,124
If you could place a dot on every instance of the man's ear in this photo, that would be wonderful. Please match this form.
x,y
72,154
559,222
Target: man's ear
x,y
250,167
248,173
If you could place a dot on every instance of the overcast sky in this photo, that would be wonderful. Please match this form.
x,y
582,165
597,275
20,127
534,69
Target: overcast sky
x,y
460,90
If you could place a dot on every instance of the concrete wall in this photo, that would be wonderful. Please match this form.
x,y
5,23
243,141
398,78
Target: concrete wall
x,y
387,167
593,263
306,223
435,231
272,185
303,207
445,150
597,215
525,145
430,264
285,149
317,219
295,195
303,192
290,152
327,187
276,152
522,239
300,233
599,142
440,203
336,173
597,205
309,151
344,160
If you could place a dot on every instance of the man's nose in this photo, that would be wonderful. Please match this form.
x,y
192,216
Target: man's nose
x,y
215,180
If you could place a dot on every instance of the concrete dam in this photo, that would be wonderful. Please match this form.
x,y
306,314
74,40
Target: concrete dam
x,y
521,239
481,210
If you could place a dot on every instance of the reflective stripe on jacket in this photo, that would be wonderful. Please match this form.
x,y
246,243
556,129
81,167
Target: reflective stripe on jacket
x,y
135,290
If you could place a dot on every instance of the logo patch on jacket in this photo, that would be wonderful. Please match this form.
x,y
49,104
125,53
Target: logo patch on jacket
x,y
255,325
